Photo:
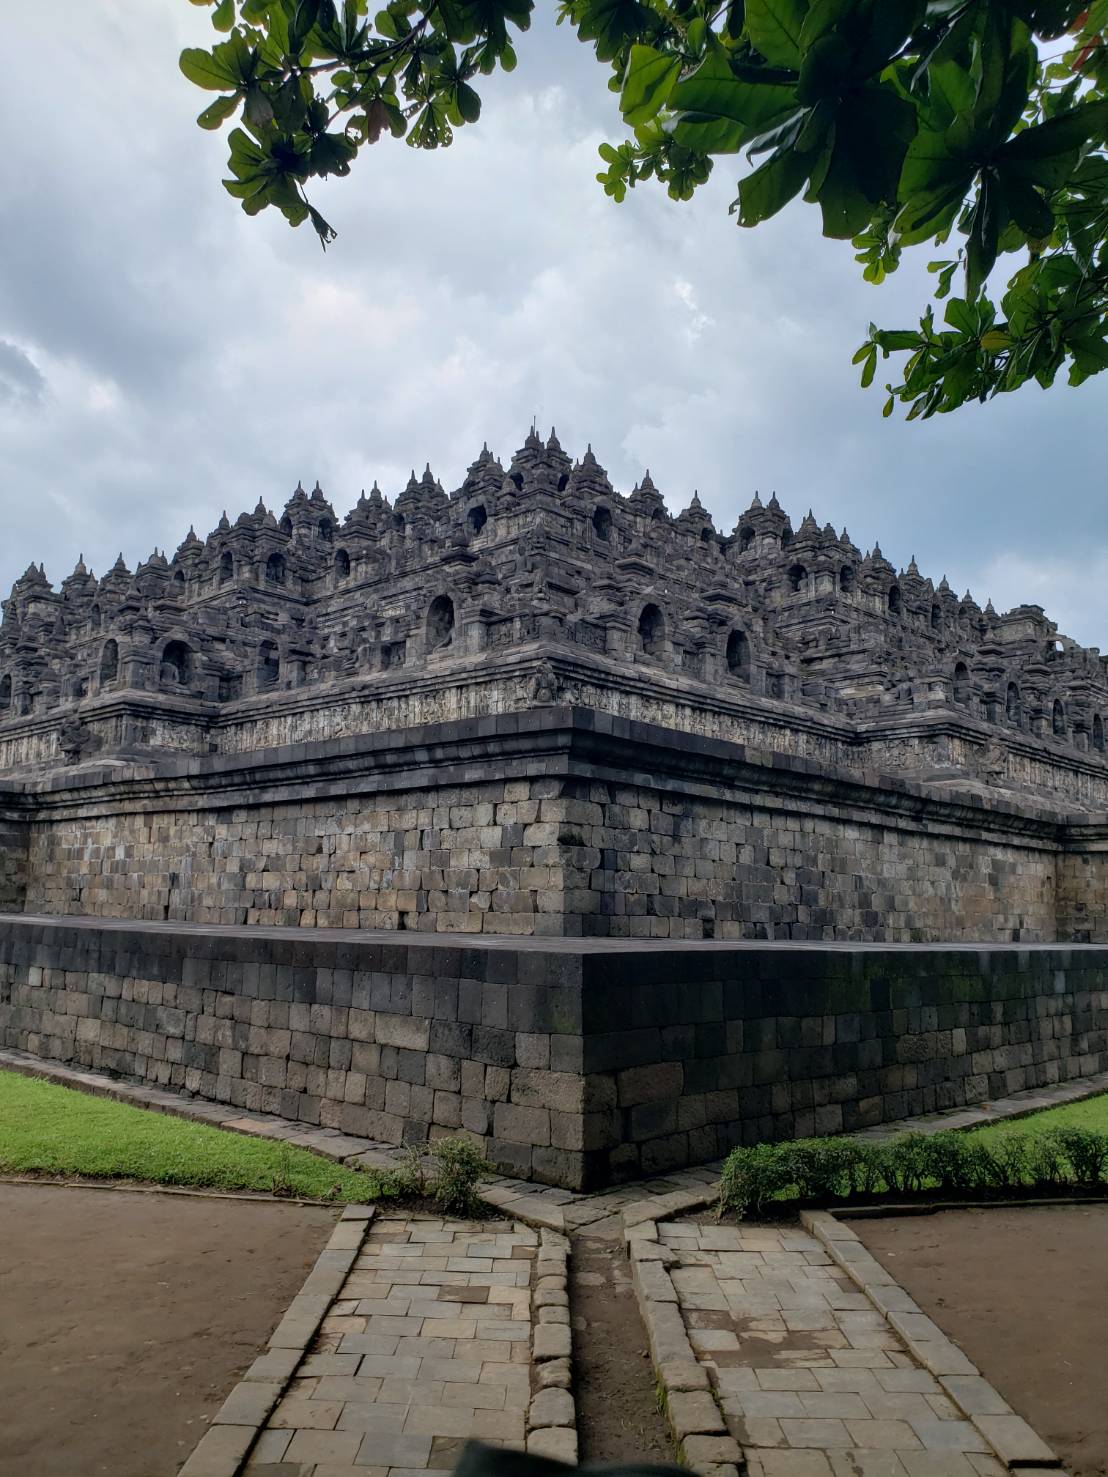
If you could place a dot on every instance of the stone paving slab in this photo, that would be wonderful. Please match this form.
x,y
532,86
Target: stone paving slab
x,y
428,1342
770,1347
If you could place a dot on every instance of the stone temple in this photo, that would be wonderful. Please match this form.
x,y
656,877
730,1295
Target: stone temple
x,y
536,811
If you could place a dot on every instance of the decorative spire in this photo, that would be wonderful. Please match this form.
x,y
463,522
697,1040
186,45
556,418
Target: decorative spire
x,y
809,524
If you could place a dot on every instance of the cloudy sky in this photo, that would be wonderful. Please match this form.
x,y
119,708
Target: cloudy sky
x,y
162,357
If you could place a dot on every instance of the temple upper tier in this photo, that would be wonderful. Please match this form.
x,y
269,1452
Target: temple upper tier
x,y
533,585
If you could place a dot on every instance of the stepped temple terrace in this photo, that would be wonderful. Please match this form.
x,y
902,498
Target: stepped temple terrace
x,y
534,810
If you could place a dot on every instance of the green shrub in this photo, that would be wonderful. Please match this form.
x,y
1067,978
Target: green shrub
x,y
906,1163
820,1168
459,1167
1087,1153
1047,1161
834,1169
867,1172
752,1176
1011,1156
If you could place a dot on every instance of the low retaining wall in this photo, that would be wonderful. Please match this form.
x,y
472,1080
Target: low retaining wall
x,y
576,1062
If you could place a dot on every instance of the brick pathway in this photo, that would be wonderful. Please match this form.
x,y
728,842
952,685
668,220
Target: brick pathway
x,y
809,1376
427,1344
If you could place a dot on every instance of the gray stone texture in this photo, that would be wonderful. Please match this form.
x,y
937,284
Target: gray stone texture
x,y
682,1050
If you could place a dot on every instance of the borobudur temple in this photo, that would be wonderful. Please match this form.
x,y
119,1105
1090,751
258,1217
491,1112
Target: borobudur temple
x,y
534,810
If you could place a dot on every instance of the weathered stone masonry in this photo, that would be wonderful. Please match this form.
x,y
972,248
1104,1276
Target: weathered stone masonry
x,y
574,1063
557,822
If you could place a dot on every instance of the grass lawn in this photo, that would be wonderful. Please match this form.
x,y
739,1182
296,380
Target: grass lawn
x,y
47,1129
1091,1112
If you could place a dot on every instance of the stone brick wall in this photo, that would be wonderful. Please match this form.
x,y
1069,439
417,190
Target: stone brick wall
x,y
561,822
574,1063
380,1039
14,835
1082,874
690,1051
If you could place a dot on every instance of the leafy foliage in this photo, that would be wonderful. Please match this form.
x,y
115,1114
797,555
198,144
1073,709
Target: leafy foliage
x,y
838,1169
317,81
978,125
459,1167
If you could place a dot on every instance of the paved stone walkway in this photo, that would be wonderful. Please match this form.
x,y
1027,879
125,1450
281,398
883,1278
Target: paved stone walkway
x,y
809,1377
428,1343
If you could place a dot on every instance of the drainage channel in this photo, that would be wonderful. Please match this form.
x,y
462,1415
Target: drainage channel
x,y
618,1418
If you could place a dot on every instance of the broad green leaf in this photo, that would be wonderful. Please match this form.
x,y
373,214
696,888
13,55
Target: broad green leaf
x,y
647,81
718,111
824,70
215,113
774,28
1027,207
771,186
207,69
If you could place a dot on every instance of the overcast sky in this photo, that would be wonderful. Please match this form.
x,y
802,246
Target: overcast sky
x,y
162,357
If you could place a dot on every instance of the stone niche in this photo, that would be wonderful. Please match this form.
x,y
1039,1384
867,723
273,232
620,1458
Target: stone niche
x,y
574,1062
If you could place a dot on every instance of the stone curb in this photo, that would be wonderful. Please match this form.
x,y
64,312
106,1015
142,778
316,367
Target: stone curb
x,y
694,1418
1009,1435
226,1444
552,1413
661,1207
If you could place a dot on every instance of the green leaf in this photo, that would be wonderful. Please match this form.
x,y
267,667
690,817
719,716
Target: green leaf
x,y
1059,135
825,68
215,113
771,186
611,24
774,27
258,110
647,81
223,16
1027,207
208,69
985,221
720,110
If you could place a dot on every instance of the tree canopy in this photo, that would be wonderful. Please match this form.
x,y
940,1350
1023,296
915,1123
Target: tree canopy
x,y
978,126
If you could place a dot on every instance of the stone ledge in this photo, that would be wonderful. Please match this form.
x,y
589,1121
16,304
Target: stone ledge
x,y
602,744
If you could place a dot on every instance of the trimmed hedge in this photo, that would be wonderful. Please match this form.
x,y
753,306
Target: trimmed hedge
x,y
837,1169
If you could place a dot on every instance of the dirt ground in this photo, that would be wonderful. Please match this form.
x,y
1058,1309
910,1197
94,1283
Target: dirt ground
x,y
125,1318
618,1419
1024,1292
